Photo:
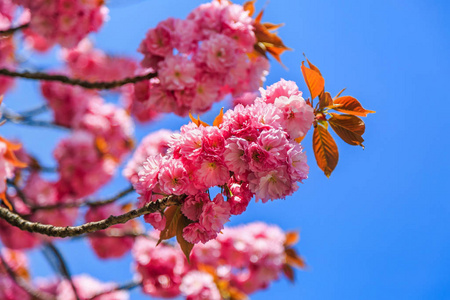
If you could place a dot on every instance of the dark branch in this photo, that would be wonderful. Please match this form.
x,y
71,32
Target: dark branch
x,y
35,294
62,266
57,231
13,29
79,82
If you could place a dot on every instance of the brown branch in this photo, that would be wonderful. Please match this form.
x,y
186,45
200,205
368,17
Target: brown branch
x,y
24,285
63,269
78,82
57,231
13,29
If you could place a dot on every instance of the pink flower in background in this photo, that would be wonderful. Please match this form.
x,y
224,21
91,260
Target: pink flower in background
x,y
111,247
197,285
87,287
65,22
161,268
83,170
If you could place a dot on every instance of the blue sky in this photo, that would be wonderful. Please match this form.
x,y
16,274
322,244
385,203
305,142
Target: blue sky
x,y
379,227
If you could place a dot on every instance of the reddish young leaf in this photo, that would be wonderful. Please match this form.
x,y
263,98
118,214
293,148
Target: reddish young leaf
x,y
313,67
197,121
250,7
314,81
186,247
219,119
299,139
325,100
276,52
289,272
350,105
292,238
172,215
349,128
293,259
325,150
5,201
272,27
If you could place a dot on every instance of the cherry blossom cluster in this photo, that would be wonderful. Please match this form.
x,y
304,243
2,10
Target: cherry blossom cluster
x,y
253,152
7,10
151,145
247,257
200,59
65,22
102,137
92,64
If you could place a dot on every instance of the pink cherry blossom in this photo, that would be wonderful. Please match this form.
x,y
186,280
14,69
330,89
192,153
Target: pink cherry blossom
x,y
193,205
215,214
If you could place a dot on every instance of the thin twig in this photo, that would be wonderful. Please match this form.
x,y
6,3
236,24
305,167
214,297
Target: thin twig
x,y
126,286
13,29
35,294
78,82
63,268
120,195
56,231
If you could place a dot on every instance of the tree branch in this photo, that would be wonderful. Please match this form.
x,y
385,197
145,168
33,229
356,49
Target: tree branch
x,y
62,266
78,82
13,29
57,231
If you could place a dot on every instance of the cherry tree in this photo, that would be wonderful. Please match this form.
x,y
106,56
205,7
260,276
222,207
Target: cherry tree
x,y
187,184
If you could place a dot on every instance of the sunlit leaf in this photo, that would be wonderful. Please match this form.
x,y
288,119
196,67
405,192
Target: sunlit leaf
x,y
314,81
325,150
271,27
197,121
219,119
299,139
5,201
349,128
292,238
325,100
250,7
350,105
186,247
293,259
